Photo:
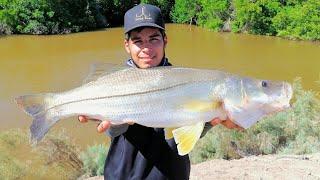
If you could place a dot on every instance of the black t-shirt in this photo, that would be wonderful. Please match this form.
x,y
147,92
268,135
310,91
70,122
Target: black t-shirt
x,y
144,153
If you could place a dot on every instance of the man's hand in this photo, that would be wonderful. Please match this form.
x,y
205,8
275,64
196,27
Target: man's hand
x,y
102,126
226,123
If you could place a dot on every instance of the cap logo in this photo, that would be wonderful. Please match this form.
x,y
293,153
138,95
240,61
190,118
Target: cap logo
x,y
144,15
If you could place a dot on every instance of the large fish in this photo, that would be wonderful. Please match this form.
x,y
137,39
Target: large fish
x,y
178,99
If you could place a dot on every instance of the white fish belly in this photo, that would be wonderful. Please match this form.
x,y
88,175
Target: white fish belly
x,y
162,108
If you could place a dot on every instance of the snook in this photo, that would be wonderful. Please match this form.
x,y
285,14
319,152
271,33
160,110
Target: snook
x,y
168,97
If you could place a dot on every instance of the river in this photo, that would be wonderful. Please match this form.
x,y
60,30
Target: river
x,y
33,64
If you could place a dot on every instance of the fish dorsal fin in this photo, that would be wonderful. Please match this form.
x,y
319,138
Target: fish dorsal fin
x,y
187,136
100,69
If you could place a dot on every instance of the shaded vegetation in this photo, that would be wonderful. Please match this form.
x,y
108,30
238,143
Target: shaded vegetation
x,y
55,158
93,159
294,19
296,131
60,16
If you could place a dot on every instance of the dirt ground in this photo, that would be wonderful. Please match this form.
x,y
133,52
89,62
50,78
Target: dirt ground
x,y
282,167
267,167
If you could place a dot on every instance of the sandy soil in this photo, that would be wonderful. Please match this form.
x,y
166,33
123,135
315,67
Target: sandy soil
x,y
283,167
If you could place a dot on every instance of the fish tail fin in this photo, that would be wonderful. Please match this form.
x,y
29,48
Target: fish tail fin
x,y
36,106
32,104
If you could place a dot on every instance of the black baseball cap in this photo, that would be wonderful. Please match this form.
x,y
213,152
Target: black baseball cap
x,y
143,15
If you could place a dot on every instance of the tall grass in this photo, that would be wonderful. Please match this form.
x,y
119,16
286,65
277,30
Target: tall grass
x,y
93,159
296,131
11,167
54,158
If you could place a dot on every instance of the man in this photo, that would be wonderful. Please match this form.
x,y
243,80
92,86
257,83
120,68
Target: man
x,y
138,152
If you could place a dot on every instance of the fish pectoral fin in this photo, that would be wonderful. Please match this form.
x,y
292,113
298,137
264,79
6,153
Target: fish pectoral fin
x,y
244,116
168,132
187,136
129,121
202,106
100,69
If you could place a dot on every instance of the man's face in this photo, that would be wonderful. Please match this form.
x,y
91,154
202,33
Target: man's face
x,y
146,47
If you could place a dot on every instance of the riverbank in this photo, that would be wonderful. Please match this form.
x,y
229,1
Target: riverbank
x,y
292,20
285,167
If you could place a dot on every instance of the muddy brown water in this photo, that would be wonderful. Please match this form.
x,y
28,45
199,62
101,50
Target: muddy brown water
x,y
33,64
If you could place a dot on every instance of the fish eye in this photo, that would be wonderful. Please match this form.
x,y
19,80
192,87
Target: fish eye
x,y
264,84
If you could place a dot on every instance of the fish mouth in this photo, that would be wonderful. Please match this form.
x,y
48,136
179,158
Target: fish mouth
x,y
285,100
288,90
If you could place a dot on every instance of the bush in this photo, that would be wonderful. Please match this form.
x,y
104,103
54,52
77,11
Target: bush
x,y
165,6
93,159
10,166
54,158
25,16
184,11
255,16
5,29
300,21
296,131
52,16
213,13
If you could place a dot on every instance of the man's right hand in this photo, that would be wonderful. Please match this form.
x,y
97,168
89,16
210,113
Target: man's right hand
x,y
102,126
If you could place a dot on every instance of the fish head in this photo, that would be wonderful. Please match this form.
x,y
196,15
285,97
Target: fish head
x,y
247,100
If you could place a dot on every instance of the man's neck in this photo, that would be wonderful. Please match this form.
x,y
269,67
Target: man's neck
x,y
164,62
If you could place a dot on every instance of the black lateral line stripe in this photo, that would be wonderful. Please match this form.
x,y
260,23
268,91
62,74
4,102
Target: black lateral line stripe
x,y
130,94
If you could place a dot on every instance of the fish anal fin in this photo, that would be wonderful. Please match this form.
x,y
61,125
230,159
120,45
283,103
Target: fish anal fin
x,y
168,133
187,136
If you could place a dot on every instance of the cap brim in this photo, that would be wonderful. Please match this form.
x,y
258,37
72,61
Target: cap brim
x,y
143,25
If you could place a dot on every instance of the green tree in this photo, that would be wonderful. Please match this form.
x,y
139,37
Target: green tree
x,y
213,13
255,16
26,16
165,6
184,11
301,21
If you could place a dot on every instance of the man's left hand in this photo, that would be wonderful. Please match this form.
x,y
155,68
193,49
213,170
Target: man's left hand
x,y
226,123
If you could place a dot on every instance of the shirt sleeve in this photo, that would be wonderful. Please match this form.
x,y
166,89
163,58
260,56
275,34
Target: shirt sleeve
x,y
117,130
206,128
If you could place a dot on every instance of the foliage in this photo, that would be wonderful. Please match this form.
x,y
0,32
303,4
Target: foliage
x,y
116,10
93,159
296,131
165,6
10,166
5,29
208,13
59,16
213,13
54,158
184,11
255,16
294,19
60,155
25,16
301,21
